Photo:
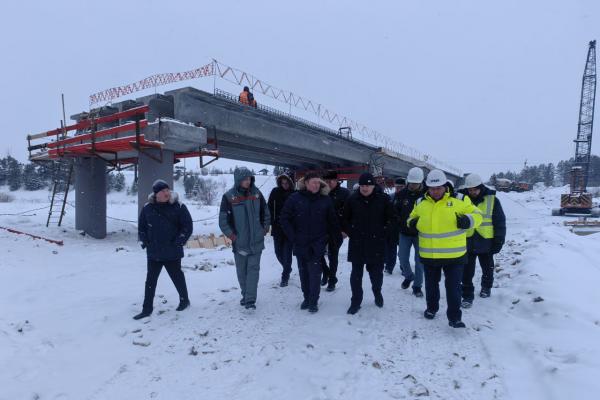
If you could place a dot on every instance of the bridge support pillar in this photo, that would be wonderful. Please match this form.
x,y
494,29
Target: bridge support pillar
x,y
90,196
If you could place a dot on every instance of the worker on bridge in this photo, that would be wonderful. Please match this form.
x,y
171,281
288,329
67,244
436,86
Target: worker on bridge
x,y
246,97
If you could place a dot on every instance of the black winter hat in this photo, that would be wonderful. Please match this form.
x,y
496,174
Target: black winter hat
x,y
159,185
400,181
366,179
330,175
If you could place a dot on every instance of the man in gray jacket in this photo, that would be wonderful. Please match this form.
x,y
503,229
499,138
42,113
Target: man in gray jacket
x,y
244,218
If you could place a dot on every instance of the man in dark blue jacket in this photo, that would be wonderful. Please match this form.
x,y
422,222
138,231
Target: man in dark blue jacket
x,y
308,219
164,226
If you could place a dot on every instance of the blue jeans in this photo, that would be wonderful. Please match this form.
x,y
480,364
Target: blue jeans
x,y
404,245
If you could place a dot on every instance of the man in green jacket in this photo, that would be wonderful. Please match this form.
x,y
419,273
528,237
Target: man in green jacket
x,y
244,218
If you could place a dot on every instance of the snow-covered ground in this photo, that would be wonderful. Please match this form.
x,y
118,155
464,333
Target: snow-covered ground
x,y
66,330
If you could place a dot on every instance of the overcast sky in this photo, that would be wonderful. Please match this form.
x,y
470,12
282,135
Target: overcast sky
x,y
482,85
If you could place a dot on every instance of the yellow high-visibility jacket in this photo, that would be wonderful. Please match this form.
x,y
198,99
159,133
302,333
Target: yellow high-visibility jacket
x,y
439,236
486,207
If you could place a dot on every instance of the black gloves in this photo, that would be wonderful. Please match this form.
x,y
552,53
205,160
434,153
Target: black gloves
x,y
463,222
180,241
413,223
496,247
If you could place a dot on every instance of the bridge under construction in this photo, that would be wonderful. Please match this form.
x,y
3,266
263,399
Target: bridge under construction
x,y
154,132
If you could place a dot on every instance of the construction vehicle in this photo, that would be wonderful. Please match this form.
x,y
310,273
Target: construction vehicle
x,y
578,201
507,185
521,187
503,184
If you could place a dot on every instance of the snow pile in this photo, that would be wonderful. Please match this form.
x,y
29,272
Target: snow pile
x,y
66,330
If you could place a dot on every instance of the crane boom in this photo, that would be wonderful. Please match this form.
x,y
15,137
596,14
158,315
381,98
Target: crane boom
x,y
578,201
583,142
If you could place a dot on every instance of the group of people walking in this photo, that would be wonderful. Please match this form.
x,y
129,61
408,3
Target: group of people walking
x,y
448,230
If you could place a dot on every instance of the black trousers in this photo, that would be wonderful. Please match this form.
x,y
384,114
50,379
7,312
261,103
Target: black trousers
x,y
486,261
175,273
452,276
333,251
356,276
283,252
310,270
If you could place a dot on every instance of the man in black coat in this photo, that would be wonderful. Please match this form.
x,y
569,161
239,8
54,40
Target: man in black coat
x,y
283,246
368,216
338,195
164,226
308,219
484,241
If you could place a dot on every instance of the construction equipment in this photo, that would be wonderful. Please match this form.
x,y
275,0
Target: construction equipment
x,y
521,187
503,184
578,201
506,185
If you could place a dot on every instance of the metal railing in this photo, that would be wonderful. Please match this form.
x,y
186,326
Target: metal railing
x,y
275,112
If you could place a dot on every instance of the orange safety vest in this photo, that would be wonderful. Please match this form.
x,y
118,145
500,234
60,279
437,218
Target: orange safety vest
x,y
244,98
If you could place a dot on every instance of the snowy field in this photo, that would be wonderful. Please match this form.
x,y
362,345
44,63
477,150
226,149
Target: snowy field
x,y
66,330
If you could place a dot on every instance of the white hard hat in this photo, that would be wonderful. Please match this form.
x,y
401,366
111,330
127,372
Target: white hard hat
x,y
472,180
436,178
415,175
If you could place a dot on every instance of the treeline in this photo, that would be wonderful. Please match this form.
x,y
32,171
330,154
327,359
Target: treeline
x,y
550,174
30,176
38,176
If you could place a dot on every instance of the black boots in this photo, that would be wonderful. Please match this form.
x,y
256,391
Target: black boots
x,y
353,309
485,293
417,292
378,300
304,305
324,280
457,324
183,304
143,314
466,303
406,283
